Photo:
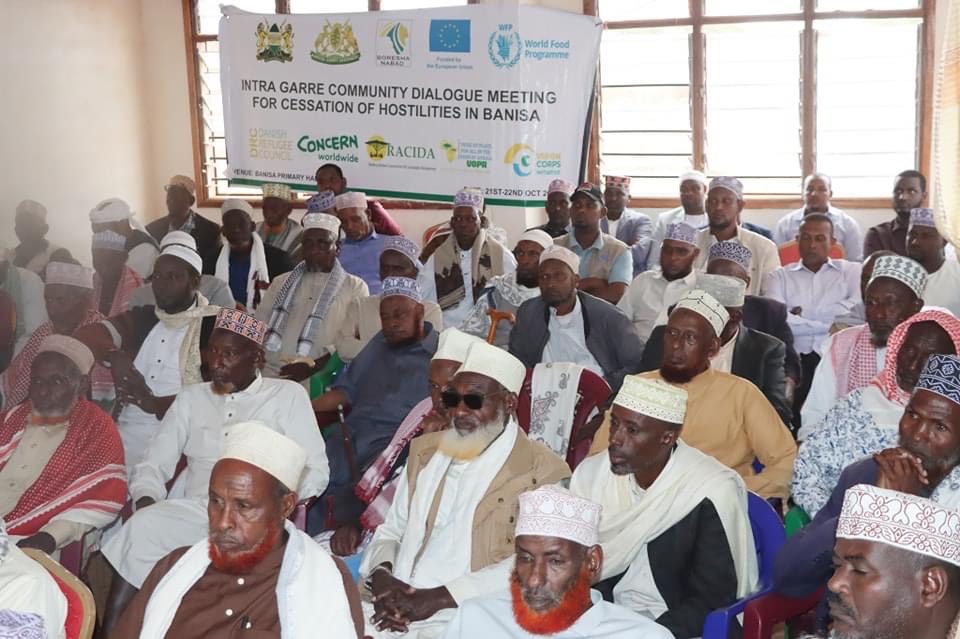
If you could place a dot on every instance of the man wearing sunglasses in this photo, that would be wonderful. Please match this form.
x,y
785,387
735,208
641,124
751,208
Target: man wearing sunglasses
x,y
448,535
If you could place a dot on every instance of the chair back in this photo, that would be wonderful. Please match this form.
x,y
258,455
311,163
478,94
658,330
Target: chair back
x,y
768,535
592,392
790,252
81,610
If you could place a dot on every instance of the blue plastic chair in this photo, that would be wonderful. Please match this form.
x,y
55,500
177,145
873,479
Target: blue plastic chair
x,y
768,536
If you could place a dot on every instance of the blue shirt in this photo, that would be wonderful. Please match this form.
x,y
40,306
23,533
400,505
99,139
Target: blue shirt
x,y
362,258
239,276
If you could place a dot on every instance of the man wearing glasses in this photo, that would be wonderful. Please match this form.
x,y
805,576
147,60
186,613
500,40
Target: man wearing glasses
x,y
448,535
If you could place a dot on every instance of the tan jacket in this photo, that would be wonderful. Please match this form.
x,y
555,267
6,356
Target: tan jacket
x,y
529,466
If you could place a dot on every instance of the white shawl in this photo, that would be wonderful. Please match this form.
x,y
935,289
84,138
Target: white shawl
x,y
553,404
628,524
258,268
308,575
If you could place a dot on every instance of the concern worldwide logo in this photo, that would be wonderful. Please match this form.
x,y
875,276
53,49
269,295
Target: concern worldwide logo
x,y
521,157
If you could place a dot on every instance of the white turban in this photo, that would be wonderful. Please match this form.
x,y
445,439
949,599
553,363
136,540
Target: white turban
x,y
110,210
236,204
259,445
537,237
495,363
454,344
184,254
73,349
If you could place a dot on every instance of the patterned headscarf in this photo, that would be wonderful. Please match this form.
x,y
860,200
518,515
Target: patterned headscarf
x,y
886,379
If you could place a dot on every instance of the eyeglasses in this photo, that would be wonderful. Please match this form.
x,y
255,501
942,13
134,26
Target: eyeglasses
x,y
473,401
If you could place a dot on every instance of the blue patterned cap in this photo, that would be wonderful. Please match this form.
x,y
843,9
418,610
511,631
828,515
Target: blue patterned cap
x,y
110,241
469,197
321,202
732,252
404,247
401,286
902,269
922,217
941,375
681,232
731,184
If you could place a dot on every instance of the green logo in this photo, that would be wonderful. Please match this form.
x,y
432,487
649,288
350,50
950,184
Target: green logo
x,y
336,44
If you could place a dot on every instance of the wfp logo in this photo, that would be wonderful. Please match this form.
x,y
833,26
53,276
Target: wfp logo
x,y
521,157
504,47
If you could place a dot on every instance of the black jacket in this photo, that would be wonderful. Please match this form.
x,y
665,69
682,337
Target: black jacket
x,y
205,232
693,569
757,357
609,334
770,317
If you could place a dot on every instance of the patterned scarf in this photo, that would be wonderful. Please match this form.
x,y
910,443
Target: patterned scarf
x,y
15,381
86,473
487,261
192,318
854,358
258,276
886,380
128,283
280,312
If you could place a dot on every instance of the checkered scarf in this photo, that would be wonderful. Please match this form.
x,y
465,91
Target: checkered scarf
x,y
854,358
128,283
886,380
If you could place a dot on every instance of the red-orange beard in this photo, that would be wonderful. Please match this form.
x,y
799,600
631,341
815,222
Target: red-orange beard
x,y
573,603
242,562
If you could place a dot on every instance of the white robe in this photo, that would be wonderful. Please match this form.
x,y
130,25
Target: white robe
x,y
26,588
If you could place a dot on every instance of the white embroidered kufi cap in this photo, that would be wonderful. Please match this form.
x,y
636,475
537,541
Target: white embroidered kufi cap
x,y
653,398
552,511
705,305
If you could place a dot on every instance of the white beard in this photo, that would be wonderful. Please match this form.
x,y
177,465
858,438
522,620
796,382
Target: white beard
x,y
462,447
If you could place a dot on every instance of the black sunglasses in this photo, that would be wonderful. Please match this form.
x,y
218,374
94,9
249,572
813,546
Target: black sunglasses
x,y
474,401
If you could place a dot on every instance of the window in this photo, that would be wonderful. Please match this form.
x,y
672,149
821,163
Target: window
x,y
766,90
202,19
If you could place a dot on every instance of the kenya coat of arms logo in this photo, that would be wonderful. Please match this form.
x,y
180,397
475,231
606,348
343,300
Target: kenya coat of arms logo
x,y
274,42
336,44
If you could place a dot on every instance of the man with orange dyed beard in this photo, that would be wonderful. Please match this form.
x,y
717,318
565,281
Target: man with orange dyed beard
x,y
256,574
558,557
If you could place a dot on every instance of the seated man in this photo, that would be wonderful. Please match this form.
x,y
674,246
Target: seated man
x,y
330,177
214,289
921,460
31,602
432,553
181,216
506,293
377,486
817,193
399,258
692,212
865,421
652,292
458,271
909,192
34,251
633,228
385,381
277,229
360,252
856,315
606,263
194,428
854,356
153,351
759,313
61,460
674,528
724,205
289,584
557,560
727,417
568,325
306,308
113,282
67,297
114,214
244,261
744,352
913,588
25,289
926,246
815,290
557,207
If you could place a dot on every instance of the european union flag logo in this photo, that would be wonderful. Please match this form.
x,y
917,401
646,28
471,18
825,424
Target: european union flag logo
x,y
450,36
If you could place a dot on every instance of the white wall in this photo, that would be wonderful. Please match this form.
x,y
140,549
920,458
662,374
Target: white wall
x,y
73,117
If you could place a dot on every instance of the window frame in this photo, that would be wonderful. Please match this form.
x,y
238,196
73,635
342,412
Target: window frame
x,y
697,20
192,38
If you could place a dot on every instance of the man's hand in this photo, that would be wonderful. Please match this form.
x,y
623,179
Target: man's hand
x,y
589,429
418,604
434,422
143,502
591,284
345,540
796,310
386,590
901,471
132,389
299,371
41,541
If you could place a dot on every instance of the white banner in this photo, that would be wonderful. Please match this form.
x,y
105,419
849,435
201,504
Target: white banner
x,y
410,104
